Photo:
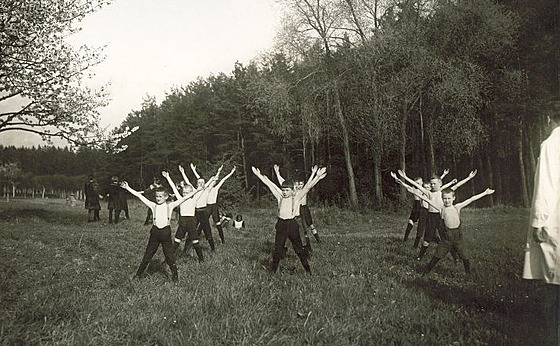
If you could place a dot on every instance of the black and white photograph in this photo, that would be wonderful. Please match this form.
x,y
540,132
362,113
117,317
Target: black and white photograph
x,y
280,172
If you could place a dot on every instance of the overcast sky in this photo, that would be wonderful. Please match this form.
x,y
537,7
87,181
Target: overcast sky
x,y
153,45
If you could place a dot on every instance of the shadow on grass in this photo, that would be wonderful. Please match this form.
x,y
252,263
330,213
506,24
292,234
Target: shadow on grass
x,y
34,213
156,266
524,317
470,297
261,257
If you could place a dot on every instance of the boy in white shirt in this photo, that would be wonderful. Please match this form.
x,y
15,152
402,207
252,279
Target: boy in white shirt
x,y
187,219
160,233
287,226
433,221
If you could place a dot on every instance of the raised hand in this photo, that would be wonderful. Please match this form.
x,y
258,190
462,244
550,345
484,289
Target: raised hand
x,y
454,181
445,172
394,175
165,174
233,169
124,185
489,191
473,173
276,168
401,173
256,170
193,167
181,169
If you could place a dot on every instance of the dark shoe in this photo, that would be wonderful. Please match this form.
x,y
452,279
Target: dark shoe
x,y
316,235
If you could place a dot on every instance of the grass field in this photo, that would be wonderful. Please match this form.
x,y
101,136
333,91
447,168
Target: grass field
x,y
64,281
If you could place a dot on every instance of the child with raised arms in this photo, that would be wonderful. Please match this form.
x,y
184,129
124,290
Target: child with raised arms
x,y
187,220
433,221
422,212
452,236
287,226
417,210
201,210
213,205
303,214
160,233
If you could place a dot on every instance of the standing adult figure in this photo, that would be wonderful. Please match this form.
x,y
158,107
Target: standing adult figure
x,y
92,199
542,252
113,199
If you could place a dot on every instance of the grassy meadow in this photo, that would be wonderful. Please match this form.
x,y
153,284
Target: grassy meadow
x,y
65,281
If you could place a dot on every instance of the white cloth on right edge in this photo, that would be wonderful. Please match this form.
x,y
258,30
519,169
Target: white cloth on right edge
x,y
542,252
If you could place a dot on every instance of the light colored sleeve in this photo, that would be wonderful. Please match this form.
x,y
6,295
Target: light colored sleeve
x,y
547,182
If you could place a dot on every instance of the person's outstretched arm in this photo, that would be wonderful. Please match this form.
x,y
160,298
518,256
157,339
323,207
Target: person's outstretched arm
x,y
193,168
422,196
185,178
276,191
217,176
140,196
473,198
181,199
412,182
445,172
225,178
278,176
462,182
452,182
398,180
173,187
316,175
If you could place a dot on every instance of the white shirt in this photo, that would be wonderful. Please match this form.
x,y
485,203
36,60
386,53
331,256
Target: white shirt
x,y
238,224
213,195
161,215
203,200
187,207
543,254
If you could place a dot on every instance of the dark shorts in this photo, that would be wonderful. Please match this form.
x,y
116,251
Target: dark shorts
x,y
305,214
422,219
212,210
187,225
452,239
433,224
415,212
287,229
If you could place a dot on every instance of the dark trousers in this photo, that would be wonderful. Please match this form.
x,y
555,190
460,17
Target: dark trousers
x,y
433,227
159,236
204,225
91,214
288,229
187,227
214,212
117,215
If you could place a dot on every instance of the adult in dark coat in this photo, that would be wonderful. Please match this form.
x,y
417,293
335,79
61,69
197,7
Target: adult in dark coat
x,y
114,199
92,199
124,203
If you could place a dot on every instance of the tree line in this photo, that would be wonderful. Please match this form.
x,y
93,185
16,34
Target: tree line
x,y
364,87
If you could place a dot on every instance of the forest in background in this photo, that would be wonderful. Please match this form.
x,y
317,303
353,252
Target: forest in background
x,y
363,87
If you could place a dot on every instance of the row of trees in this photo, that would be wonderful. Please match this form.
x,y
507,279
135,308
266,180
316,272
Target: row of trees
x,y
47,171
365,87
